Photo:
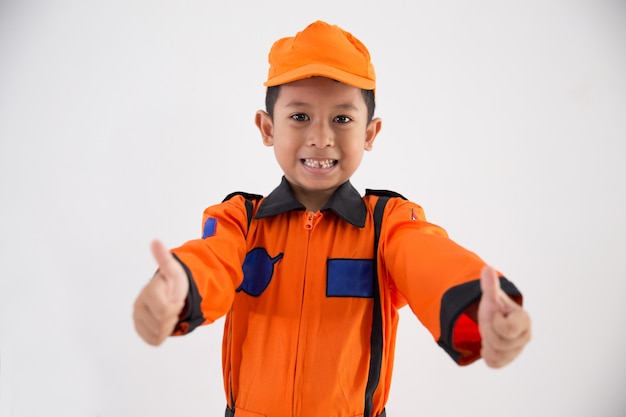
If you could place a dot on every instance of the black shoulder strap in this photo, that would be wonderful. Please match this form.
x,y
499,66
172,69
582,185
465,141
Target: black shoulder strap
x,y
376,338
248,198
384,193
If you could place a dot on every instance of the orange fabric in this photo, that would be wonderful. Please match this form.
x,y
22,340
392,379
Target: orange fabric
x,y
293,350
307,55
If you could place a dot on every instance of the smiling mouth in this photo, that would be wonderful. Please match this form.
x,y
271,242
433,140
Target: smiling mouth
x,y
319,163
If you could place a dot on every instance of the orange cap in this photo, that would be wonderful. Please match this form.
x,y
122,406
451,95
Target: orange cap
x,y
321,50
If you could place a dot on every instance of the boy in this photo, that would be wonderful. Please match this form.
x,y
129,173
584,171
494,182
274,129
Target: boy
x,y
308,279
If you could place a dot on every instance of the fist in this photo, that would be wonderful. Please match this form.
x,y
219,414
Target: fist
x,y
503,324
159,304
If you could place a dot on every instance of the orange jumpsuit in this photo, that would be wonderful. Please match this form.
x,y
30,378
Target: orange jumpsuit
x,y
303,291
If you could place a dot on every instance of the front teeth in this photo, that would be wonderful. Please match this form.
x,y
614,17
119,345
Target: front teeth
x,y
316,163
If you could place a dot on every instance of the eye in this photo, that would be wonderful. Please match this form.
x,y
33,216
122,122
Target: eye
x,y
300,117
342,119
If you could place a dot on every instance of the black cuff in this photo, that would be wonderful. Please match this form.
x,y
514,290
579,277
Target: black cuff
x,y
191,316
456,301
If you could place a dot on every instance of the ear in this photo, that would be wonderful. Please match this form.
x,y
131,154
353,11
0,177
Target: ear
x,y
371,132
264,122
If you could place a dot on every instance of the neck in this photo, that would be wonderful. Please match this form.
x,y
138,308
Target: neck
x,y
313,200
313,204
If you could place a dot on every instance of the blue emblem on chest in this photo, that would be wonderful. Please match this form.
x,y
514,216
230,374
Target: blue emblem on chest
x,y
258,269
350,278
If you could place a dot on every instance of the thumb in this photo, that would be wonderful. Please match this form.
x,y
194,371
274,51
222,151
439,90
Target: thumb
x,y
489,283
170,271
161,255
493,298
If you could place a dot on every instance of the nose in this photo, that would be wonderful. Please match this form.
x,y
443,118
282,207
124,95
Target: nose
x,y
321,134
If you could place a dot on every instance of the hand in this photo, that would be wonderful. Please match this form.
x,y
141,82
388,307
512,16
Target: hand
x,y
504,325
159,304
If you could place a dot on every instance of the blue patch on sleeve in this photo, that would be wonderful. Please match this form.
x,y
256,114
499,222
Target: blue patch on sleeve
x,y
209,227
350,278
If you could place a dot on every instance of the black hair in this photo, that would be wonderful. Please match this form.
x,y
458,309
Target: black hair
x,y
271,96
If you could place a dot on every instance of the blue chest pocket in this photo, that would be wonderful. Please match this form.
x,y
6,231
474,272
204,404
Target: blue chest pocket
x,y
350,278
258,269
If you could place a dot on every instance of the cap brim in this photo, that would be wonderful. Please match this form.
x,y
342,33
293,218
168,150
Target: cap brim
x,y
321,70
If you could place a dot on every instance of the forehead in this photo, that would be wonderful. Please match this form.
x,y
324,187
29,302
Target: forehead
x,y
320,90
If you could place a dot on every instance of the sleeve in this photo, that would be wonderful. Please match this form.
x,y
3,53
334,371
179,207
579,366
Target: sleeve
x,y
213,264
439,279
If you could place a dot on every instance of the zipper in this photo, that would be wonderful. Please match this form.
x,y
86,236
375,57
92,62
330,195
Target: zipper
x,y
309,223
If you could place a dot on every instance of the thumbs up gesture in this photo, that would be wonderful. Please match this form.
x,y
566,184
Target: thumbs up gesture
x,y
504,325
158,306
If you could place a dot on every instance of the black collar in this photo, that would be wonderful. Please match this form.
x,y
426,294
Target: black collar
x,y
346,202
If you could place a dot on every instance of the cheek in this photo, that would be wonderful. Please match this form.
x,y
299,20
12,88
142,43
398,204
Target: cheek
x,y
284,151
355,150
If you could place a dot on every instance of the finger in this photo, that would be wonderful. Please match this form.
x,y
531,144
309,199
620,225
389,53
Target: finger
x,y
144,322
500,344
145,327
514,325
507,332
151,305
157,302
495,358
153,334
153,316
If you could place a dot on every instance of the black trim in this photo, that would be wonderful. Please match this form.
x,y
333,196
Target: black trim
x,y
384,193
280,200
249,211
248,201
248,198
376,338
455,301
193,316
346,202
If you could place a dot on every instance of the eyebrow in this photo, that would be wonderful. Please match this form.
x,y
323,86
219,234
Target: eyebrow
x,y
341,106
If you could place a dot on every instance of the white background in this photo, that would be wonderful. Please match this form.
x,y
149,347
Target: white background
x,y
121,120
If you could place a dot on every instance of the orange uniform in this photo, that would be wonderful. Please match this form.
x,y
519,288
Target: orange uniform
x,y
312,311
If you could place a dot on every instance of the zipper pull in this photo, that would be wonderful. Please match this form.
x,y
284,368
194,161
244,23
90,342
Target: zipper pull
x,y
310,216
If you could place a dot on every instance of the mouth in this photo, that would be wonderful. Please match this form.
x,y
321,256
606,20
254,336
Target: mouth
x,y
319,163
